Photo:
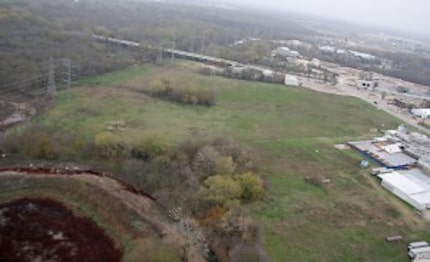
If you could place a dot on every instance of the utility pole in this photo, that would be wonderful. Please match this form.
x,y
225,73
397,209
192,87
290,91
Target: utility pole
x,y
255,34
52,87
174,47
192,44
68,64
203,44
160,56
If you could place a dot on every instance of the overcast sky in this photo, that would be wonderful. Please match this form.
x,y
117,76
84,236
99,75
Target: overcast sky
x,y
411,15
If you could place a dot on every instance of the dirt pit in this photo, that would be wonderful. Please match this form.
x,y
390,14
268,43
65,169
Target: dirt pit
x,y
45,230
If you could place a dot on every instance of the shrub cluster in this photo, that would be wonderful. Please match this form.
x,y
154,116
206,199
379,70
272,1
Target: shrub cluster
x,y
163,89
35,142
109,145
243,74
147,147
221,156
222,170
228,191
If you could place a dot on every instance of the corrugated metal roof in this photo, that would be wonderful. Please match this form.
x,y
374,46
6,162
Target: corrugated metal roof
x,y
388,159
403,183
413,183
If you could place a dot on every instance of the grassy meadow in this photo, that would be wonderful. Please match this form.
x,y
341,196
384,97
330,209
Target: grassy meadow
x,y
320,206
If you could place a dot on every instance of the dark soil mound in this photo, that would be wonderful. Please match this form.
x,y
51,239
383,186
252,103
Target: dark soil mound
x,y
44,230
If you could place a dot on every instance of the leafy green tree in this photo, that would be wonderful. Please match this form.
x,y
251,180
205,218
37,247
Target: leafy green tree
x,y
221,189
225,165
149,146
252,186
109,145
157,87
204,161
101,30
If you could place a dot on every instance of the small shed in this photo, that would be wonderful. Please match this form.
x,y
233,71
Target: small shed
x,y
291,80
268,73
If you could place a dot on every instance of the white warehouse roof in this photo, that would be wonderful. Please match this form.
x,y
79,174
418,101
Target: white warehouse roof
x,y
402,183
291,80
412,186
421,112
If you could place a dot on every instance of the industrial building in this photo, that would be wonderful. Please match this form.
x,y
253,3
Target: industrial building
x,y
423,113
291,80
327,49
405,160
361,55
412,186
284,51
386,153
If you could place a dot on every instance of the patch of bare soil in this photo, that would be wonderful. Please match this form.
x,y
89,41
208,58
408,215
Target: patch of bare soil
x,y
12,113
45,230
142,203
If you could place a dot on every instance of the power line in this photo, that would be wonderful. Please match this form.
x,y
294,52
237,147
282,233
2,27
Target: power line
x,y
40,82
68,63
22,88
27,79
15,95
174,47
52,87
33,88
25,98
23,81
22,92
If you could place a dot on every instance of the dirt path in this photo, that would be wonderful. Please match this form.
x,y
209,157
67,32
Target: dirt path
x,y
143,204
12,113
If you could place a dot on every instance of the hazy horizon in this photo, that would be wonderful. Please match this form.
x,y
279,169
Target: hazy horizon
x,y
404,15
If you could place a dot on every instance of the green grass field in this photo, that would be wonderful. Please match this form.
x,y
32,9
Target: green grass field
x,y
293,130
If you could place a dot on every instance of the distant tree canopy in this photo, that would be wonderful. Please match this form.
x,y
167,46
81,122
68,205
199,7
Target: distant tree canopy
x,y
34,31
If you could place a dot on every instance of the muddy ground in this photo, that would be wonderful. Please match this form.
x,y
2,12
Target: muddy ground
x,y
45,230
147,208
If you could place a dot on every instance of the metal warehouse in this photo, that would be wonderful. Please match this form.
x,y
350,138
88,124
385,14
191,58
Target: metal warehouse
x,y
410,185
387,154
